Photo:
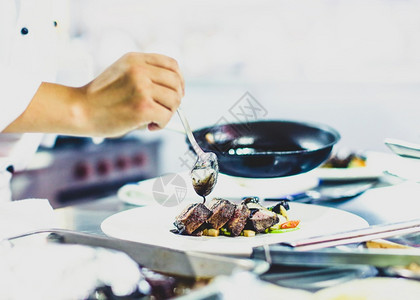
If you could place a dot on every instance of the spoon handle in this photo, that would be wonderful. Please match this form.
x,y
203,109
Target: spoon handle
x,y
189,133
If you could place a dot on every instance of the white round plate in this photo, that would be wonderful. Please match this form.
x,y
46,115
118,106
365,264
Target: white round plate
x,y
374,169
152,225
336,174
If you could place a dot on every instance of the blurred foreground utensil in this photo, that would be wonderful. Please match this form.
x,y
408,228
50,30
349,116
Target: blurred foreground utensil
x,y
159,259
206,169
411,271
356,236
281,255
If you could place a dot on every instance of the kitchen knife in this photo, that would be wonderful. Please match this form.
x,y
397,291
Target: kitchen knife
x,y
282,255
160,259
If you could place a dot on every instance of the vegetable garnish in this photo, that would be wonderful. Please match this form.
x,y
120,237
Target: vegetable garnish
x,y
282,230
224,231
289,224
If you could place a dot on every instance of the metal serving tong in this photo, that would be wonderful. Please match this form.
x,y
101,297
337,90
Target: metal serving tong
x,y
356,236
309,252
382,258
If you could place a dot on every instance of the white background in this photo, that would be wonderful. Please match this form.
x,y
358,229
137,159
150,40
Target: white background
x,y
354,65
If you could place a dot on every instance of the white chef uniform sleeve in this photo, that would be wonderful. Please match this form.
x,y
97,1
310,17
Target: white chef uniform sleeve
x,y
26,48
16,91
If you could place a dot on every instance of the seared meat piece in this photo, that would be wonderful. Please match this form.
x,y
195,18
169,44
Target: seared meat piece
x,y
238,220
260,218
199,231
222,211
191,218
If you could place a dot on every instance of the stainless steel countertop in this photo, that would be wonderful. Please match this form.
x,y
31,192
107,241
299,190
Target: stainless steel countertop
x,y
383,204
88,216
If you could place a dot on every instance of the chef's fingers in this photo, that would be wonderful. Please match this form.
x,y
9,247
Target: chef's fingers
x,y
167,79
159,116
162,61
153,127
166,97
152,83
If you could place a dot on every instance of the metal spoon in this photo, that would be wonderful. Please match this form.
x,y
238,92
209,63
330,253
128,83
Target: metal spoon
x,y
206,169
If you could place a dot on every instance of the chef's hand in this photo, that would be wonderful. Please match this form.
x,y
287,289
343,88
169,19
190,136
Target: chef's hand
x,y
136,91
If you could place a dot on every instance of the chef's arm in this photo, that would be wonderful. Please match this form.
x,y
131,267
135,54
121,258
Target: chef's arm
x,y
136,91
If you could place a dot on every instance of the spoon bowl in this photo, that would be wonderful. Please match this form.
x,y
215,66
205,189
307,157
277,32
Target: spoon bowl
x,y
206,169
204,174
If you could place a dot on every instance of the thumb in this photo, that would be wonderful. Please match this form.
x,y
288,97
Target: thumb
x,y
153,127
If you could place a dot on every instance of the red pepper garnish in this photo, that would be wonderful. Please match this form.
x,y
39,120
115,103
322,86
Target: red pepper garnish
x,y
290,224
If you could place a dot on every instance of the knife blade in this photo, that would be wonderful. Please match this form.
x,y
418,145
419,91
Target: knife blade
x,y
282,255
160,259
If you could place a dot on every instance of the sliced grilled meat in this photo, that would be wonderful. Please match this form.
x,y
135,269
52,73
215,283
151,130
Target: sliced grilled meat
x,y
238,220
222,210
199,231
260,218
191,218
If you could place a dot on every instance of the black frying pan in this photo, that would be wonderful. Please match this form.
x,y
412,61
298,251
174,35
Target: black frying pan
x,y
264,149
